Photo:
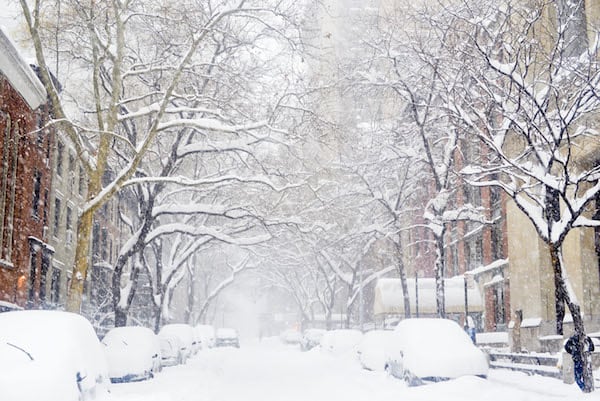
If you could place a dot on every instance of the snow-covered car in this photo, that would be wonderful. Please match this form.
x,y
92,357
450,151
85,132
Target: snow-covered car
x,y
176,343
170,351
311,338
196,341
341,341
50,356
290,336
372,349
433,350
133,353
226,337
206,333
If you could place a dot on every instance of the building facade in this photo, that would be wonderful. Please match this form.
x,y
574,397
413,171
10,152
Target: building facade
x,y
66,200
25,182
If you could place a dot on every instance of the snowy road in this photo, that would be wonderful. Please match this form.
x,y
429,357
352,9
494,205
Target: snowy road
x,y
273,372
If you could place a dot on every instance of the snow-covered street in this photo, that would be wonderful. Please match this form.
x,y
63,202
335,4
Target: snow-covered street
x,y
271,371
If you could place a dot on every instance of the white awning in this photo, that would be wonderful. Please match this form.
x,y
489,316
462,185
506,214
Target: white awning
x,y
389,298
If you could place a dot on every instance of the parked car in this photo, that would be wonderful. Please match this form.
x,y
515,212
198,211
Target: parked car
x,y
290,336
196,341
207,335
311,338
133,353
176,342
433,350
372,349
170,350
341,341
50,356
226,337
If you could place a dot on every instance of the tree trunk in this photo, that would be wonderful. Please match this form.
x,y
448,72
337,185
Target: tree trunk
x,y
122,312
82,255
158,318
562,292
439,276
402,274
190,319
120,317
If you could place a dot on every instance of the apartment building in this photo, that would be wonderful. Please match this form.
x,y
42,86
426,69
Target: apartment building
x,y
25,182
66,200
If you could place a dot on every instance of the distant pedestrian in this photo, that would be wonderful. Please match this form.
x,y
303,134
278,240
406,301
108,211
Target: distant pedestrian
x,y
571,346
470,329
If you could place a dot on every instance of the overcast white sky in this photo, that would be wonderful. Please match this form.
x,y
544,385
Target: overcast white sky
x,y
9,14
11,19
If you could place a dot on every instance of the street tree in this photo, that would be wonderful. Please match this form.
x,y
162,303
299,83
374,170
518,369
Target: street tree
x,y
528,96
130,62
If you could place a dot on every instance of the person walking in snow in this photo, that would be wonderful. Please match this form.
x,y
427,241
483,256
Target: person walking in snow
x,y
571,346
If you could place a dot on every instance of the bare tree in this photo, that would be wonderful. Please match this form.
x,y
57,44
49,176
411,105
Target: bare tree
x,y
529,96
135,59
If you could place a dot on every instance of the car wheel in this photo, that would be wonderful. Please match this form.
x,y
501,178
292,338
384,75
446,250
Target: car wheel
x,y
410,379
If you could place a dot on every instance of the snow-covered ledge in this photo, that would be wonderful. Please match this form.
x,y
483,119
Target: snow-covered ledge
x,y
19,73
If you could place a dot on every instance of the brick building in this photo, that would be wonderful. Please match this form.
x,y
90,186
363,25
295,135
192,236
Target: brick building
x,y
25,181
480,250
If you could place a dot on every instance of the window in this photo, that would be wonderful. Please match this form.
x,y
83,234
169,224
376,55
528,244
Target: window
x,y
478,260
37,185
474,252
32,273
498,239
55,286
454,267
499,311
8,188
81,188
104,244
43,277
45,207
60,148
69,218
71,177
69,225
4,180
57,206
